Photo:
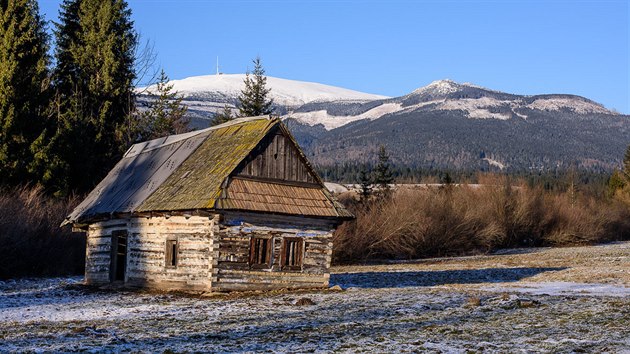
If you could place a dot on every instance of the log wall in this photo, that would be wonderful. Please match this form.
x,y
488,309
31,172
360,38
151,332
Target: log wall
x,y
212,255
146,255
98,250
234,272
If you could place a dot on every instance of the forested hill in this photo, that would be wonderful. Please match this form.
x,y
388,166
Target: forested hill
x,y
444,125
460,126
429,138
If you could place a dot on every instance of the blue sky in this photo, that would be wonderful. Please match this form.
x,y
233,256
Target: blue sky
x,y
393,47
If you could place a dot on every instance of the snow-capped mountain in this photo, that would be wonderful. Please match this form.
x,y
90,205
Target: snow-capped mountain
x,y
448,125
445,95
443,125
284,92
208,94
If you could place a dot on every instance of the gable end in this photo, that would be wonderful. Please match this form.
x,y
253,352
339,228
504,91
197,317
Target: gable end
x,y
277,158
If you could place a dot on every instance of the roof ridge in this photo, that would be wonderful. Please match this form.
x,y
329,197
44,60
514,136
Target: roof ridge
x,y
175,138
186,171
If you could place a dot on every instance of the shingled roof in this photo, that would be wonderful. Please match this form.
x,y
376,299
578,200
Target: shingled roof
x,y
190,172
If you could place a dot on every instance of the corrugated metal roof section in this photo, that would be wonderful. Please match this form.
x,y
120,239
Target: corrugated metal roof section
x,y
142,170
197,182
245,194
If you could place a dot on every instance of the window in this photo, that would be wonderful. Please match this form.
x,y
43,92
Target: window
x,y
292,253
260,252
172,249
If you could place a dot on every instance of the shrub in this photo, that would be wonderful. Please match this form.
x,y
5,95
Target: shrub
x,y
457,220
33,244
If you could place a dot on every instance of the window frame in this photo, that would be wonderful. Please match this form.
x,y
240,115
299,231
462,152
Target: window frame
x,y
116,272
171,256
301,246
253,252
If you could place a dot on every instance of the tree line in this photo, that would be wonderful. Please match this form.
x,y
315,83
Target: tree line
x,y
68,115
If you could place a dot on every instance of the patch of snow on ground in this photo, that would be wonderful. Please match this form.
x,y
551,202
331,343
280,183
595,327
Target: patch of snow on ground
x,y
563,288
519,300
389,319
336,187
494,163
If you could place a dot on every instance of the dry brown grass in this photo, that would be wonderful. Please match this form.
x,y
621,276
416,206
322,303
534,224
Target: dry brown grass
x,y
417,223
32,242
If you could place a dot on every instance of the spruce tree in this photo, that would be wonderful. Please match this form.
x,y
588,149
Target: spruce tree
x,y
223,116
166,115
93,92
447,179
254,98
383,172
365,185
616,182
24,80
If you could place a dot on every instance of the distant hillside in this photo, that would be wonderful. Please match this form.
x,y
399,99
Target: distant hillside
x,y
444,125
463,126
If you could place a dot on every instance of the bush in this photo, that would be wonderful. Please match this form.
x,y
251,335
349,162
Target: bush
x,y
459,220
33,244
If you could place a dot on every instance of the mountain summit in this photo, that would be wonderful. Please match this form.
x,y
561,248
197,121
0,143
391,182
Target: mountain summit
x,y
284,92
438,88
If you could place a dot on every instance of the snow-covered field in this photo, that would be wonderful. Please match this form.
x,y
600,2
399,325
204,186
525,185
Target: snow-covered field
x,y
527,300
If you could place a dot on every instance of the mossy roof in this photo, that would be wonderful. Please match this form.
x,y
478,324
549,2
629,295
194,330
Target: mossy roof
x,y
180,172
196,184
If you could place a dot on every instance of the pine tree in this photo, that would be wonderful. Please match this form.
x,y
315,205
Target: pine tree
x,y
24,84
447,180
93,92
365,185
619,181
383,172
253,100
166,115
616,182
223,116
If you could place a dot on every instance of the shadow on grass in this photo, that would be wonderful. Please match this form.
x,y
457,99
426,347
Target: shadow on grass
x,y
405,279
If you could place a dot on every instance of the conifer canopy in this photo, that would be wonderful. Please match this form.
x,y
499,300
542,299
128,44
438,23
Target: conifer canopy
x,y
254,98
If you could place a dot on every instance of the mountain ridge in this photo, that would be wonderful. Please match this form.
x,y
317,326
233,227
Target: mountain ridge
x,y
443,125
283,91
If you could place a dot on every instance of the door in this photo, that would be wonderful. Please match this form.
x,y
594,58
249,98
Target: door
x,y
118,265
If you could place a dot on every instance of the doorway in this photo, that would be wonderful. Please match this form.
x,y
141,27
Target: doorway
x,y
118,265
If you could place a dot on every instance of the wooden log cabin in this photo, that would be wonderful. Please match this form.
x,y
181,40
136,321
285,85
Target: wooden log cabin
x,y
232,207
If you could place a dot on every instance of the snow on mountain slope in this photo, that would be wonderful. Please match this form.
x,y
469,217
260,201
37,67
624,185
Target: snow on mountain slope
x,y
284,92
331,122
576,105
439,87
474,101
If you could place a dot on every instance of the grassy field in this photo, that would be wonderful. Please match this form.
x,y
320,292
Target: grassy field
x,y
526,300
